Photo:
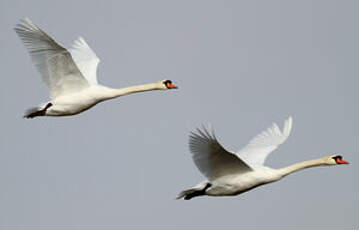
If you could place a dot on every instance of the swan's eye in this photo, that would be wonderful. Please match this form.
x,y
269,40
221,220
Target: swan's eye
x,y
167,82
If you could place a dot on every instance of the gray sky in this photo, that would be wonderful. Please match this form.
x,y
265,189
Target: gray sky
x,y
239,64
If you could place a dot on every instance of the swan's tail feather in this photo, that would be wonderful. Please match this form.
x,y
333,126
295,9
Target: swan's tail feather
x,y
193,192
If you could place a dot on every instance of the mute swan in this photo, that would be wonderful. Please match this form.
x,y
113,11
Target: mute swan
x,y
70,75
230,174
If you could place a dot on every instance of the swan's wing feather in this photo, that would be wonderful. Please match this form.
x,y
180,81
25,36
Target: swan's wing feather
x,y
55,64
85,59
258,149
211,158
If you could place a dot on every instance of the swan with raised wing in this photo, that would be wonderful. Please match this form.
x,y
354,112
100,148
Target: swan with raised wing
x,y
70,75
230,173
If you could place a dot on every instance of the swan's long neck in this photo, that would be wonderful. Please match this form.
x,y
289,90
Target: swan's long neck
x,y
301,165
113,93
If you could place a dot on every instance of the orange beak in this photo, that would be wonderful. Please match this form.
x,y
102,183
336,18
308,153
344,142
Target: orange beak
x,y
171,86
340,161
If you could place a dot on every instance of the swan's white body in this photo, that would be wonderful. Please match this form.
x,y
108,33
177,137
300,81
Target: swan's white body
x,y
70,74
230,174
231,185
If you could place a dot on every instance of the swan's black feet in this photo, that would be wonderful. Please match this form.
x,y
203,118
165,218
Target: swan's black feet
x,y
195,193
34,112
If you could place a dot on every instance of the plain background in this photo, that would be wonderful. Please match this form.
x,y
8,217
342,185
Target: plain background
x,y
239,64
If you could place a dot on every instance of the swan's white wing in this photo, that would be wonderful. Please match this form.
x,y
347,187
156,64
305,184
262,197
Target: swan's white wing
x,y
85,59
55,64
258,149
211,158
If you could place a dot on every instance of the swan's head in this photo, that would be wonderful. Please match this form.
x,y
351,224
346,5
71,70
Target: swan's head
x,y
335,160
167,84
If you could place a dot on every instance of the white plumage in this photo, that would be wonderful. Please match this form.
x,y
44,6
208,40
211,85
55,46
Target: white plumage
x,y
70,75
211,158
58,70
231,173
85,59
258,149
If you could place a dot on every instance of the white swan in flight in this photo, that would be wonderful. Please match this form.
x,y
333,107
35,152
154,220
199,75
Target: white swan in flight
x,y
230,174
70,75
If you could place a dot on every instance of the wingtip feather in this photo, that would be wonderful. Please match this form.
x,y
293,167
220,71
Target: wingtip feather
x,y
204,131
288,126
